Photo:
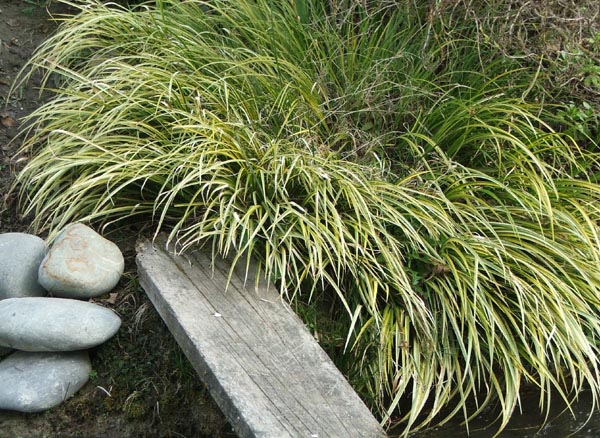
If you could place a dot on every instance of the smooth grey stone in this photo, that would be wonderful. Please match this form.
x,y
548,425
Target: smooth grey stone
x,y
81,264
54,324
20,258
35,382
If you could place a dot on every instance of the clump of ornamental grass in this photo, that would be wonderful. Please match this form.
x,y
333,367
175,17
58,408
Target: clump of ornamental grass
x,y
455,229
559,38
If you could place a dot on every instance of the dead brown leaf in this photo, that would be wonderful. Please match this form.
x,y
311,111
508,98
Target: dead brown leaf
x,y
7,121
112,298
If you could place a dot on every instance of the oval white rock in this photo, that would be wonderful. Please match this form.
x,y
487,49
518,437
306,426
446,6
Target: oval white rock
x,y
81,264
35,382
54,324
20,258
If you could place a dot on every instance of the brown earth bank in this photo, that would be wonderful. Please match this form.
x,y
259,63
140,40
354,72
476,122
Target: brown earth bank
x,y
141,384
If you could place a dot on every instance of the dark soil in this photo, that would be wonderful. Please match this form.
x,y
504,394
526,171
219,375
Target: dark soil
x,y
22,28
141,384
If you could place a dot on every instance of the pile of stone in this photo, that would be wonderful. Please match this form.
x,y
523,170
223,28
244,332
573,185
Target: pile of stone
x,y
51,334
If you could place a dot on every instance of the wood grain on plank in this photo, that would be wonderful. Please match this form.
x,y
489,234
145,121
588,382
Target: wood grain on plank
x,y
261,365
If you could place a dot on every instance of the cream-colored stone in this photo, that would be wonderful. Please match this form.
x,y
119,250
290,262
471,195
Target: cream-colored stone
x,y
81,264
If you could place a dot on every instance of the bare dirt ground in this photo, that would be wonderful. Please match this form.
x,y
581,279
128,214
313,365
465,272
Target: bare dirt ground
x,y
22,28
141,384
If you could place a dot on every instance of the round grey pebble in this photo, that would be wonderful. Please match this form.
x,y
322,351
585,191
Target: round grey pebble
x,y
35,382
81,264
20,258
54,324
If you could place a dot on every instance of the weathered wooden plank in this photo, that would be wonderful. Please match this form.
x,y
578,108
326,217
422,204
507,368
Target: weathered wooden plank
x,y
263,368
